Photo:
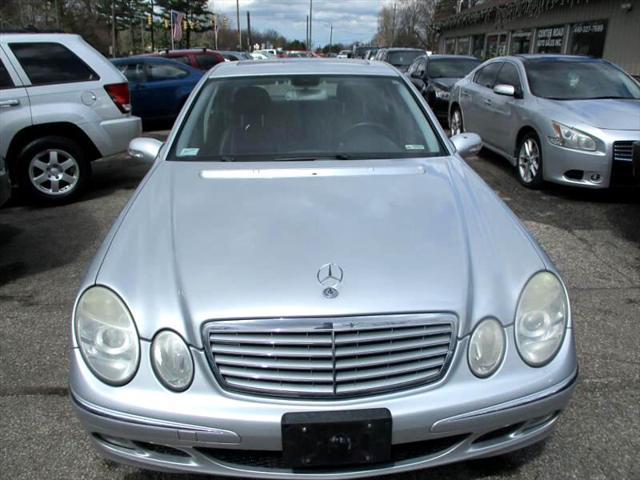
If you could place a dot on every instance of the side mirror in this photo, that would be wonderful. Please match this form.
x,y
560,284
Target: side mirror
x,y
507,90
145,148
467,144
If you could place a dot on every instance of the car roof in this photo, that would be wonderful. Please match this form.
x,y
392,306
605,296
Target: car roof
x,y
38,37
554,57
394,49
150,59
453,57
301,66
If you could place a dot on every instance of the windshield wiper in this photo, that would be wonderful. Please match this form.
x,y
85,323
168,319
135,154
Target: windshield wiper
x,y
610,97
313,158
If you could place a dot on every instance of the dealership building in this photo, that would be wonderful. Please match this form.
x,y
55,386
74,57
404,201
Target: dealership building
x,y
608,29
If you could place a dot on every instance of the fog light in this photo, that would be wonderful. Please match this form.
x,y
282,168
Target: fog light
x,y
595,177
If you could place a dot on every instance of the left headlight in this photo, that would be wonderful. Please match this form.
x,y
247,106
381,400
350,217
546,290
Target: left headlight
x,y
441,94
571,138
107,336
541,319
171,360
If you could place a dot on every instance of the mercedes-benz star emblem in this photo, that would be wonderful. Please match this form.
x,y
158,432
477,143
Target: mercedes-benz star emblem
x,y
330,276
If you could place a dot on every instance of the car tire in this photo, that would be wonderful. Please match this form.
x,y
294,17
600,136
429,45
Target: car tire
x,y
455,121
53,170
529,161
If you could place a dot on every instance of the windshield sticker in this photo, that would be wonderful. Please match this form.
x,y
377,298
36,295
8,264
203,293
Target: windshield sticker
x,y
189,152
414,147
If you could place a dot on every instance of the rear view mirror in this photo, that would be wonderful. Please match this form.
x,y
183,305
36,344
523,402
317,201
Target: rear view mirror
x,y
507,90
467,144
145,148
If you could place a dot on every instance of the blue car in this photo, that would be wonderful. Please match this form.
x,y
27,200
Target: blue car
x,y
159,87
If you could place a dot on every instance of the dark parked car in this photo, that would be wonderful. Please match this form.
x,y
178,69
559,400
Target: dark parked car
x,y
435,75
200,58
236,56
158,86
401,58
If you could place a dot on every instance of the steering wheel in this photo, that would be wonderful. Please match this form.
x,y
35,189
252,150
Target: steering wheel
x,y
378,127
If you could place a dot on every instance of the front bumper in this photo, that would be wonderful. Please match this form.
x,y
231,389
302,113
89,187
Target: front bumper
x,y
207,430
440,107
5,183
589,169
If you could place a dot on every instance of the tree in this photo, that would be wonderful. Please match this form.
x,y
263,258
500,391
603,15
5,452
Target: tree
x,y
406,23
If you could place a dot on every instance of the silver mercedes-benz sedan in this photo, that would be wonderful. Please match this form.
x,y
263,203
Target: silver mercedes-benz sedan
x,y
311,283
565,119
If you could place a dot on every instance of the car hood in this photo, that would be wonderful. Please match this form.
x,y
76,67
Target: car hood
x,y
205,241
606,114
445,83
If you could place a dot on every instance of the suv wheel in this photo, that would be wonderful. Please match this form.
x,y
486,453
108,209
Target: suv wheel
x,y
529,161
53,170
455,123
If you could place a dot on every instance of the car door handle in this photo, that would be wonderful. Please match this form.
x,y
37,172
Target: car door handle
x,y
487,101
465,93
10,103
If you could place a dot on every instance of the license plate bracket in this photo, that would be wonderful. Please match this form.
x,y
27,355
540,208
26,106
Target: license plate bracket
x,y
327,439
635,158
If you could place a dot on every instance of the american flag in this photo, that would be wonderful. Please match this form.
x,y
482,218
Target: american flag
x,y
176,25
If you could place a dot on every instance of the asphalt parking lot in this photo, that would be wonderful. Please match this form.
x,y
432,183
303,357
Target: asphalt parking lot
x,y
594,238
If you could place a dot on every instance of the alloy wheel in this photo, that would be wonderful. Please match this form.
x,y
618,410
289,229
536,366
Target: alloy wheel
x,y
54,172
456,122
529,160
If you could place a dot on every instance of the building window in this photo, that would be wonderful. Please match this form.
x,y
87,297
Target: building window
x,y
588,38
520,42
450,45
496,45
549,39
462,47
477,45
465,4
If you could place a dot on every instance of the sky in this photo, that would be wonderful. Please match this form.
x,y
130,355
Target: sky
x,y
353,20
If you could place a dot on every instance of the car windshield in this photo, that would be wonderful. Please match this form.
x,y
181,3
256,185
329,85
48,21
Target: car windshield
x,y
305,117
451,67
403,58
579,80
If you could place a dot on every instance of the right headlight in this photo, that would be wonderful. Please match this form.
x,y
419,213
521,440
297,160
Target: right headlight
x,y
486,347
107,336
541,319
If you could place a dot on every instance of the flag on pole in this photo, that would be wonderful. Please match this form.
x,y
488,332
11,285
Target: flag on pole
x,y
176,25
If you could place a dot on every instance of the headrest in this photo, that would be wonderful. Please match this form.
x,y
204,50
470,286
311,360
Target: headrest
x,y
251,100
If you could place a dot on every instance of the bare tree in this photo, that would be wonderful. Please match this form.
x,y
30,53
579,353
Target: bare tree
x,y
407,23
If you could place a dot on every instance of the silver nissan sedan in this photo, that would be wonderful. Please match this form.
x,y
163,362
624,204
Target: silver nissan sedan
x,y
565,119
310,282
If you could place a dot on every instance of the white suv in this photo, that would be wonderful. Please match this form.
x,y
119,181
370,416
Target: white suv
x,y
62,105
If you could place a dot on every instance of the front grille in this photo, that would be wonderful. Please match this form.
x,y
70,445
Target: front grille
x,y
330,357
623,151
275,460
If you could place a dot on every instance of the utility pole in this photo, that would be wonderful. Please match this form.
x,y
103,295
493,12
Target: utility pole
x,y
238,21
153,46
113,28
306,40
142,34
249,29
393,27
310,45
331,37
57,6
